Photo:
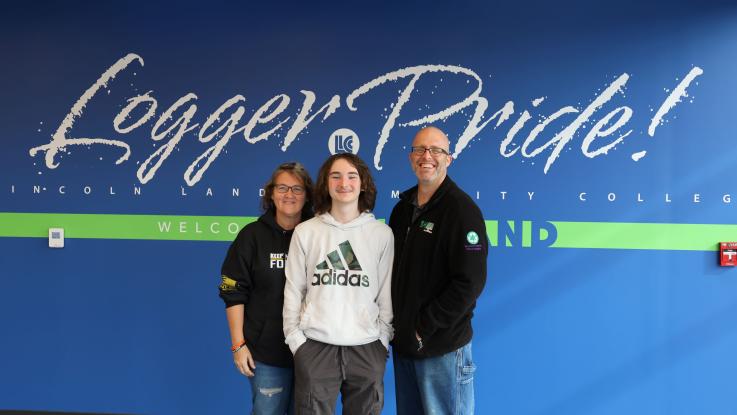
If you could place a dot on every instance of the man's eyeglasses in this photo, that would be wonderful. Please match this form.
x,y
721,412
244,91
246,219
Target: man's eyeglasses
x,y
435,151
283,188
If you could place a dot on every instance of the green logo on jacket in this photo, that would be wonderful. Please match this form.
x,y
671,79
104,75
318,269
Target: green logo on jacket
x,y
472,238
426,226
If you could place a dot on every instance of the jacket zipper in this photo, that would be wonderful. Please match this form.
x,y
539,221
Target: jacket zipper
x,y
401,266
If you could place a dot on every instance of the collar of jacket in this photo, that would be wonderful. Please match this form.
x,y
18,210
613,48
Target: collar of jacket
x,y
409,195
269,219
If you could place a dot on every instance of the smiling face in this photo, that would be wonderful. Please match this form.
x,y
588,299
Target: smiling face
x,y
429,168
344,183
288,204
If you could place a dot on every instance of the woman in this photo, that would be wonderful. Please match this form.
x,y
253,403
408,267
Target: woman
x,y
337,299
253,289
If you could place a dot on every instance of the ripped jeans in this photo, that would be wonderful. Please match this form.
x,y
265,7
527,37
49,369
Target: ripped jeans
x,y
271,390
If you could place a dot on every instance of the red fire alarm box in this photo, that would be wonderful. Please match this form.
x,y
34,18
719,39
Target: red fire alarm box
x,y
728,254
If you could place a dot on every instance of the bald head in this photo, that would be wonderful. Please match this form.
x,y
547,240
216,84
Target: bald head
x,y
434,134
428,162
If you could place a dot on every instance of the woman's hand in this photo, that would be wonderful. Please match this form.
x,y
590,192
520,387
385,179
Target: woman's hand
x,y
244,361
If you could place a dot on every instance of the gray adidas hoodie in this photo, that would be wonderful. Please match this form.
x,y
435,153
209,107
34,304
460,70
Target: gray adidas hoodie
x,y
338,288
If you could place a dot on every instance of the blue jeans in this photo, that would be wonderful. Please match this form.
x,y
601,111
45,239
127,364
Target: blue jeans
x,y
435,385
271,390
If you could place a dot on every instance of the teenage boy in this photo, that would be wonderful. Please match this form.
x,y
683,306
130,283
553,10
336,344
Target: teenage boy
x,y
337,298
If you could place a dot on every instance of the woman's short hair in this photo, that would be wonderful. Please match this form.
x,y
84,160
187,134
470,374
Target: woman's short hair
x,y
297,170
367,198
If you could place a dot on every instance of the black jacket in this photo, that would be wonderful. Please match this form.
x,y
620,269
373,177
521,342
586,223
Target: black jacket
x,y
439,270
255,261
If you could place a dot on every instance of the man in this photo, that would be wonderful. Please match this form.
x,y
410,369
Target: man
x,y
439,271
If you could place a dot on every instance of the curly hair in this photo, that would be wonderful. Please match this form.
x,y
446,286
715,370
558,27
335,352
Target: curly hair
x,y
367,198
297,170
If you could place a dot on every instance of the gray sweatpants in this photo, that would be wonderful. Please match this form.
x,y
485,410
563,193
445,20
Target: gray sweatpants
x,y
321,370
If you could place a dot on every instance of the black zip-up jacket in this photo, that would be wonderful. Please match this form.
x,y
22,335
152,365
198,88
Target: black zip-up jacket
x,y
439,271
255,261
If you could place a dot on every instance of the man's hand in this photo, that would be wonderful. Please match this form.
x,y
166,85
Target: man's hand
x,y
419,341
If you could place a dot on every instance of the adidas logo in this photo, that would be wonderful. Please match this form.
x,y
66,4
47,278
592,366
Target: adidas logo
x,y
340,269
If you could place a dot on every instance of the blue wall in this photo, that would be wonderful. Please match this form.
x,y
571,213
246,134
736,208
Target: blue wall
x,y
580,324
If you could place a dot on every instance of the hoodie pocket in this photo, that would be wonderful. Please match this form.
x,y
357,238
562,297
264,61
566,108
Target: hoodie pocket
x,y
272,334
252,331
340,322
370,316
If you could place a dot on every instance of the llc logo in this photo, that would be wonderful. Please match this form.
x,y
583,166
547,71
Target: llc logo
x,y
343,140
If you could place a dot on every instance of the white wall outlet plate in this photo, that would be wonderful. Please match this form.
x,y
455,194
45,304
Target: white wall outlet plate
x,y
56,237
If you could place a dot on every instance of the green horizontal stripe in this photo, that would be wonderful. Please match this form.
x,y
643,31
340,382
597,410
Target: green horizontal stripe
x,y
606,235
658,236
104,226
